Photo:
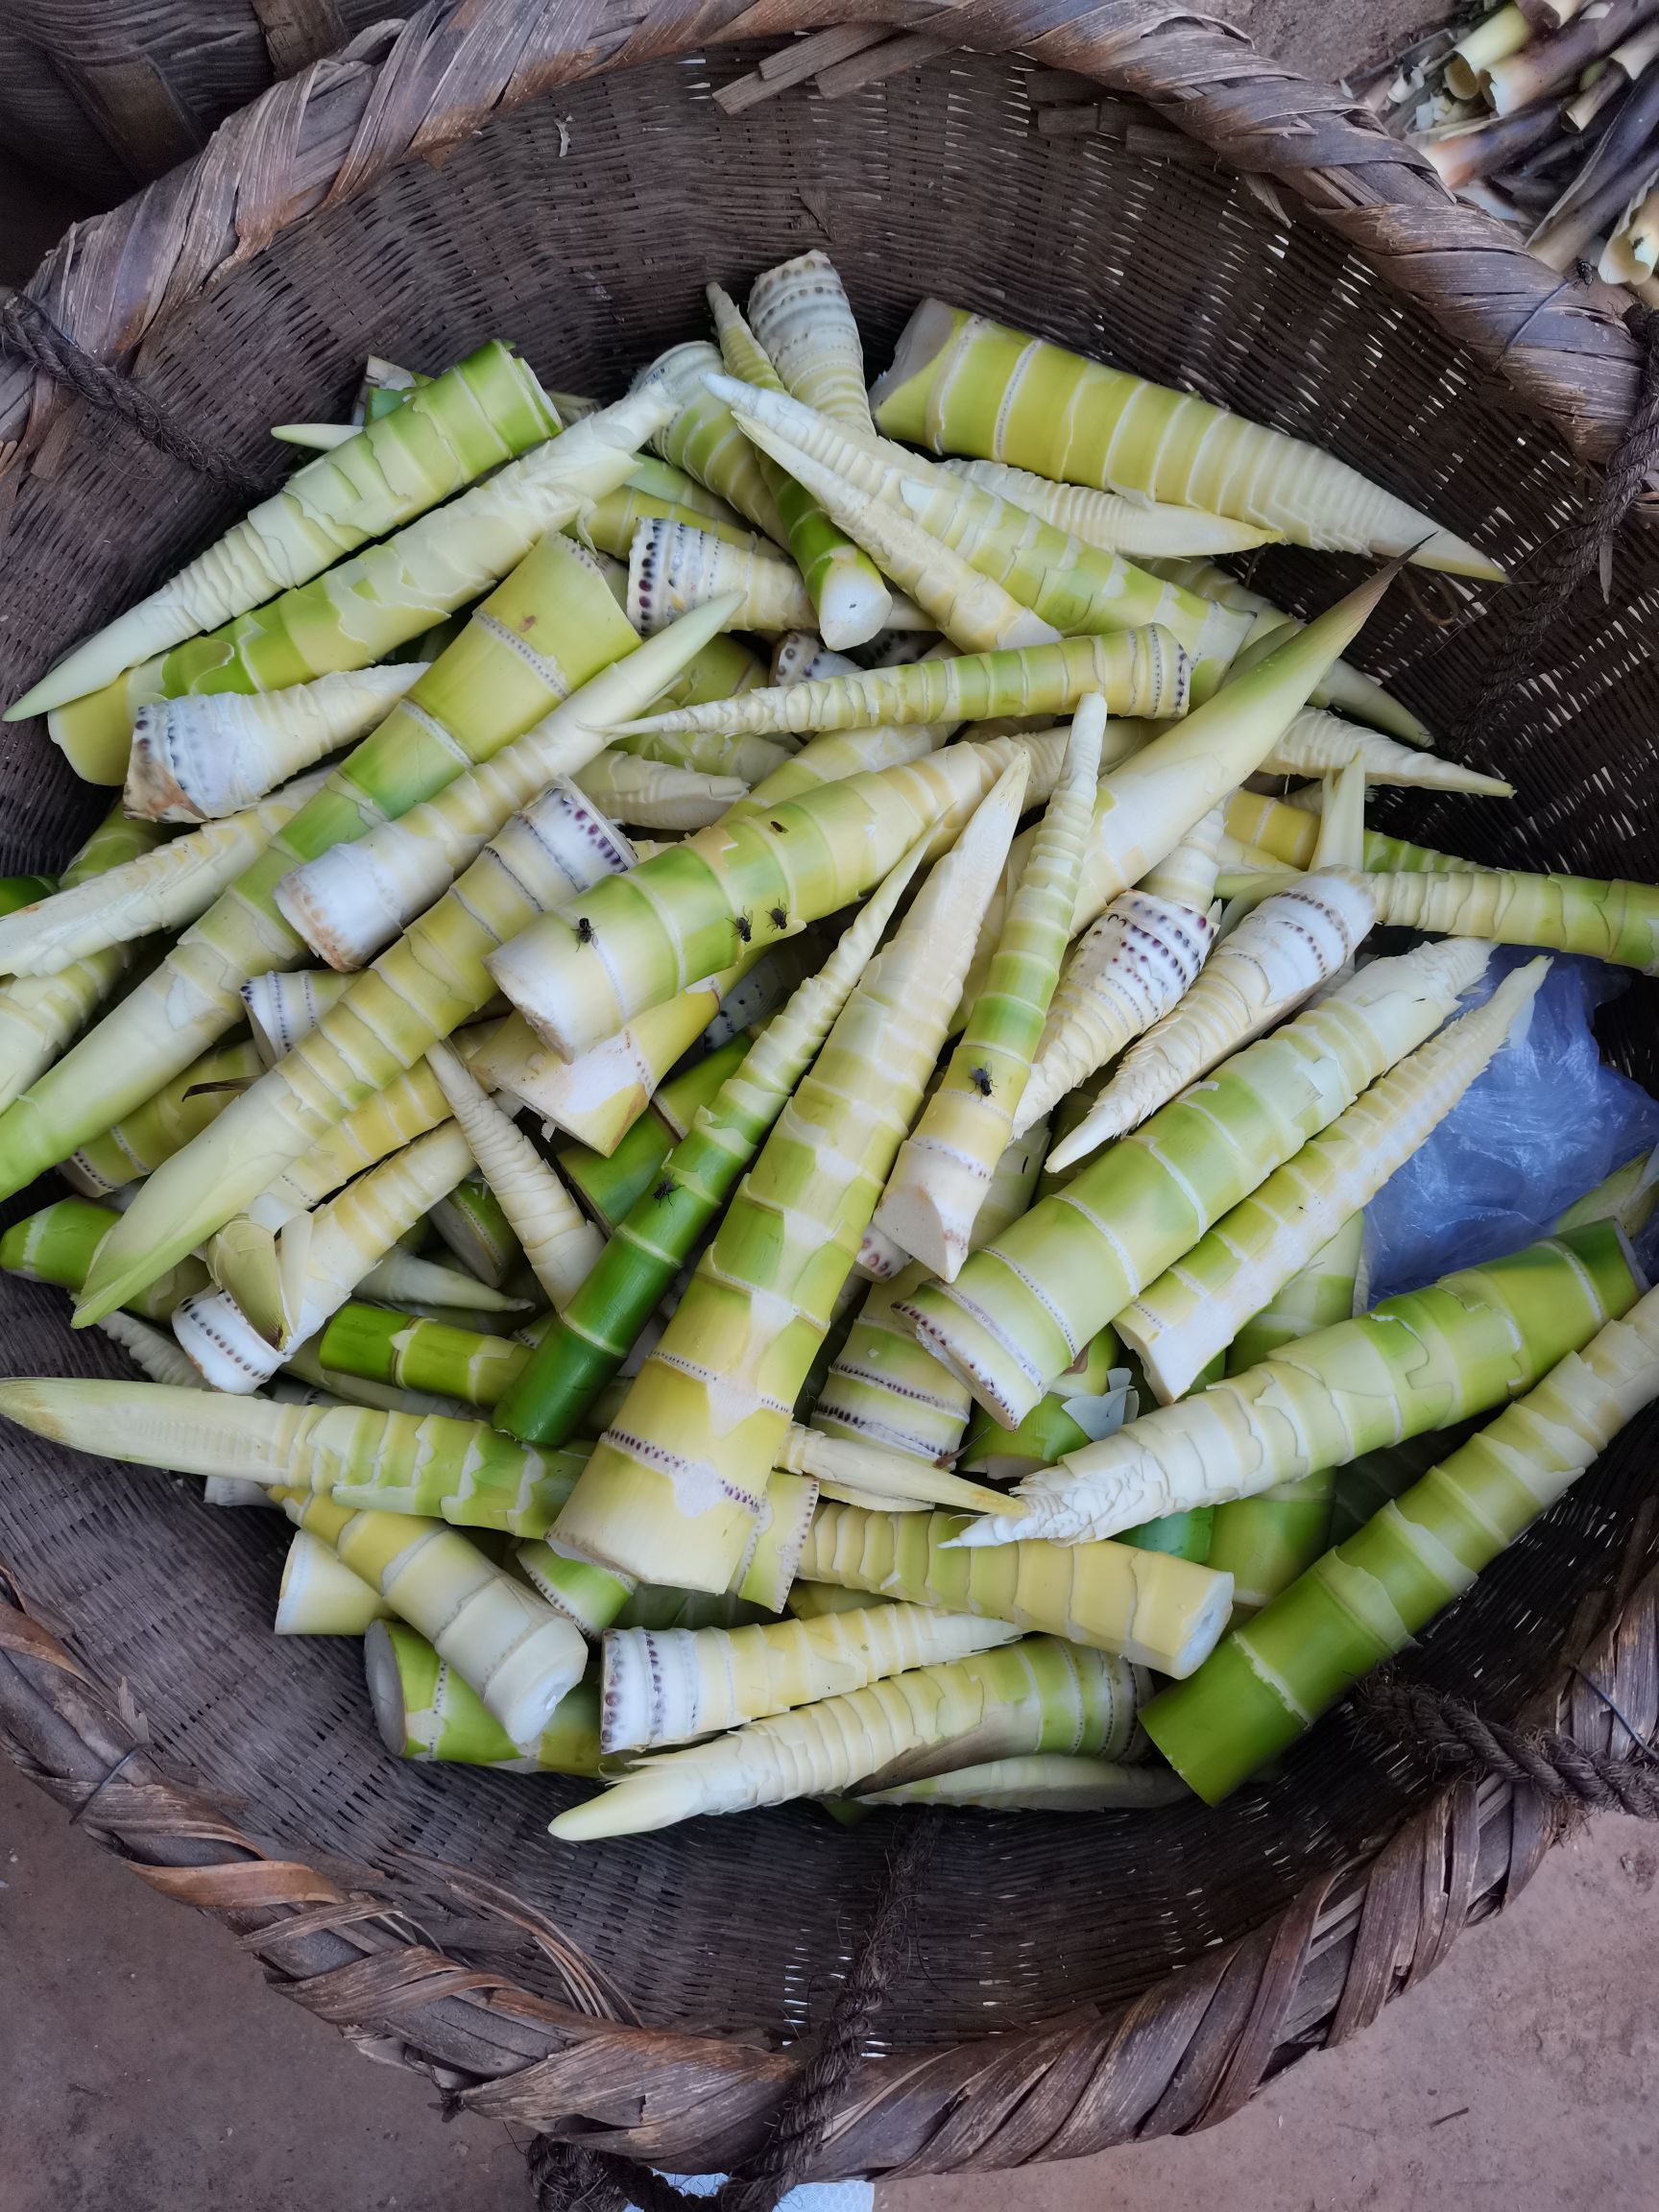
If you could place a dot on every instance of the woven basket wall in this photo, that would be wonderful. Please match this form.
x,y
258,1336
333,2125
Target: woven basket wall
x,y
1085,1980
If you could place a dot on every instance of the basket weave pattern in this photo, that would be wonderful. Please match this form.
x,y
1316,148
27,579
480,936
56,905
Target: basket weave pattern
x,y
1078,1983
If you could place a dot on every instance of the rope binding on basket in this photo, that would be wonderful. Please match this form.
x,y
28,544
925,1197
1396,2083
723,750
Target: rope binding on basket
x,y
1566,1771
27,330
571,2177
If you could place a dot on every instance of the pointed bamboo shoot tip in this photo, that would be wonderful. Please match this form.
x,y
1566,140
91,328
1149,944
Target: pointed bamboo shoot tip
x,y
645,1799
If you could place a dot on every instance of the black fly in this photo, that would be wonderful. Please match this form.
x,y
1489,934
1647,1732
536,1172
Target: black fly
x,y
981,1078
778,826
584,930
744,928
778,917
663,1189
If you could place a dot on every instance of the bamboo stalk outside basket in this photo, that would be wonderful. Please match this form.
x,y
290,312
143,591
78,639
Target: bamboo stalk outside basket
x,y
562,175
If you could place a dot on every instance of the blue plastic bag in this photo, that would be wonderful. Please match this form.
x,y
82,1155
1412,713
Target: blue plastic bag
x,y
1546,1122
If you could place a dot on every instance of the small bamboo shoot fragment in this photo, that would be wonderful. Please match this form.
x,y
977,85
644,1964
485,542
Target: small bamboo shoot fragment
x,y
425,1711
656,794
1128,970
674,567
1040,1782
559,1242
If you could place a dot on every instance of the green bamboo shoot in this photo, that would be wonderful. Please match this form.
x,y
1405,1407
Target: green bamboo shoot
x,y
746,881
1061,579
210,753
1026,1303
972,610
1179,1322
483,412
505,1642
319,1597
1038,1694
40,1014
883,1387
1418,1361
1364,1602
1609,921
56,1245
667,1685
425,1711
850,596
360,610
353,898
1127,970
674,1485
1266,1541
418,991
656,1238
482,691
164,889
1317,743
1278,956
945,1165
1115,524
1140,672
1151,1607
962,384
138,1144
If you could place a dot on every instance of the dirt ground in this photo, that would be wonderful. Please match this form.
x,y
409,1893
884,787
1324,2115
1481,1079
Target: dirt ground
x,y
143,2065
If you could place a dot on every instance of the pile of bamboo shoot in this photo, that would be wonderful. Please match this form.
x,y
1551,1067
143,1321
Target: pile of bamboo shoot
x,y
680,993
1546,114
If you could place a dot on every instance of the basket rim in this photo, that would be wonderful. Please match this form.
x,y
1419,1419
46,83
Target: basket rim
x,y
1199,2042
415,89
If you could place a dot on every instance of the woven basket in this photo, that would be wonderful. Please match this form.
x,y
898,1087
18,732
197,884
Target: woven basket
x,y
1075,1982
108,93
